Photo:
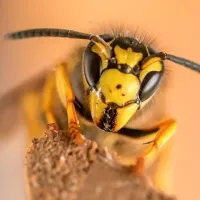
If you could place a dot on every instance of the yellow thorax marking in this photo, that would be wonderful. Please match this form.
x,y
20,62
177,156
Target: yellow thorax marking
x,y
127,56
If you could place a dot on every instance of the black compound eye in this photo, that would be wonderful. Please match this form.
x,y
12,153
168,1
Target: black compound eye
x,y
149,85
92,62
92,67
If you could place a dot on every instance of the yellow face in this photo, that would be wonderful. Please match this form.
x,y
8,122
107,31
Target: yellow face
x,y
116,95
113,103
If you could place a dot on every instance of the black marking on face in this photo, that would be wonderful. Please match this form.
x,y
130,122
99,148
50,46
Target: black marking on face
x,y
113,60
124,68
135,45
136,70
119,86
108,120
103,98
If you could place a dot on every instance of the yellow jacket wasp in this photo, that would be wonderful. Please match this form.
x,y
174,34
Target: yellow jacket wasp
x,y
120,75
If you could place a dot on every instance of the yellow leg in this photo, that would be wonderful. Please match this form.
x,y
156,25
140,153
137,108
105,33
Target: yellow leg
x,y
165,132
30,104
48,96
162,169
67,98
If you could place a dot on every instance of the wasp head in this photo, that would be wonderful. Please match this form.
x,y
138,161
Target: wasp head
x,y
119,85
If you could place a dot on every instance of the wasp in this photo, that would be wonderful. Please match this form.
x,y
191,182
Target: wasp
x,y
120,76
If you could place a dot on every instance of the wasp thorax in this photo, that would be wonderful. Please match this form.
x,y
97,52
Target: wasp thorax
x,y
117,87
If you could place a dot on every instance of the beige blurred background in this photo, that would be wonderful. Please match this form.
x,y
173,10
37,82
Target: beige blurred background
x,y
176,26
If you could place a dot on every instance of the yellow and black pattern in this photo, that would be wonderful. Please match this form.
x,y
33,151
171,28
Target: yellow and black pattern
x,y
120,75
120,85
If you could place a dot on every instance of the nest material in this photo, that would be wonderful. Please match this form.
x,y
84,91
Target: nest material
x,y
59,169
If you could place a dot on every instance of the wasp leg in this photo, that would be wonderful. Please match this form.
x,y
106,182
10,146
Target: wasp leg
x,y
164,133
30,104
66,95
162,171
47,100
